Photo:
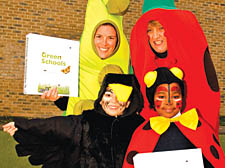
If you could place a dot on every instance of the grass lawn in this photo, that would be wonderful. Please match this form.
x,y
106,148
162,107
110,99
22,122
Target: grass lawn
x,y
8,156
222,141
9,159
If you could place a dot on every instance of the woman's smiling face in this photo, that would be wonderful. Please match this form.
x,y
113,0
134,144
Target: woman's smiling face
x,y
105,40
156,37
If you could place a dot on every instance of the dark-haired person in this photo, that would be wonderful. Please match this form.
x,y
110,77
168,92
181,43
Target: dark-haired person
x,y
97,138
173,128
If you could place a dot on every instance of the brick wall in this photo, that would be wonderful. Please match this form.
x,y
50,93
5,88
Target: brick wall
x,y
65,19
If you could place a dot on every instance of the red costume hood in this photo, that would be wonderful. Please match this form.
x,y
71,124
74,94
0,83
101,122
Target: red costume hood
x,y
188,50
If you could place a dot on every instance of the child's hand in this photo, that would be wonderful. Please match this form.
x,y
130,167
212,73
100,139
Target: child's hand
x,y
52,94
10,128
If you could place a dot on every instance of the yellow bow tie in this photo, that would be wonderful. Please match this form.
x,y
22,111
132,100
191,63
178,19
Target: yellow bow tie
x,y
188,119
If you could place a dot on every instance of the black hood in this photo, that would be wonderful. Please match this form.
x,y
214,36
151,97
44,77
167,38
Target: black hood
x,y
164,75
136,96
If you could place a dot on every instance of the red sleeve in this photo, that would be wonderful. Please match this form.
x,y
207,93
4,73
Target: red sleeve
x,y
143,140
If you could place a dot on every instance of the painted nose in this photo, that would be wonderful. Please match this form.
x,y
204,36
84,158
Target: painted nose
x,y
169,101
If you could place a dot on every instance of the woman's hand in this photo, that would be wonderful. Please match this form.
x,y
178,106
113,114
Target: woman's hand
x,y
52,94
10,128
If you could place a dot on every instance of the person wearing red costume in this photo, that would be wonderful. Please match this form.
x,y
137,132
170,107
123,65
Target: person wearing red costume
x,y
173,129
187,48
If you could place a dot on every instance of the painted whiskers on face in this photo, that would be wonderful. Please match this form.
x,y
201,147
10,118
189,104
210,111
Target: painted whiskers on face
x,y
121,104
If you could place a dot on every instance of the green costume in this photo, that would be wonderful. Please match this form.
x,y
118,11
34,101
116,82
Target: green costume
x,y
164,4
90,63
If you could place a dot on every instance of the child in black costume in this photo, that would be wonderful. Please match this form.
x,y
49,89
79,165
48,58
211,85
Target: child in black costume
x,y
97,138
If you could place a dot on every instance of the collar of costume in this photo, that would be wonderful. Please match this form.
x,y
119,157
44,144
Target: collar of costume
x,y
188,119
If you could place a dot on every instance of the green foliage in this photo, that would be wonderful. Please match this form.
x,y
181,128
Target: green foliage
x,y
61,89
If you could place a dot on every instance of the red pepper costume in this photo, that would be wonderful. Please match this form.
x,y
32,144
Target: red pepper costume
x,y
145,139
188,50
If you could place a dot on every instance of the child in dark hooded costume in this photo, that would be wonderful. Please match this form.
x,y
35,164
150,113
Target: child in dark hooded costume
x,y
173,129
97,138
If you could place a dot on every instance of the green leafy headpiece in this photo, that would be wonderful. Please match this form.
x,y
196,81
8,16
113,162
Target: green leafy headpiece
x,y
152,4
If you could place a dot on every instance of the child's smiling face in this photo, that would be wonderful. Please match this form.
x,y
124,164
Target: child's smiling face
x,y
111,105
168,99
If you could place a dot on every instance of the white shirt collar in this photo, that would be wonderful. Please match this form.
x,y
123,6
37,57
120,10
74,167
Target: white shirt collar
x,y
177,115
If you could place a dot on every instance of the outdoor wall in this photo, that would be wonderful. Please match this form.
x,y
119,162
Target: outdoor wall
x,y
65,19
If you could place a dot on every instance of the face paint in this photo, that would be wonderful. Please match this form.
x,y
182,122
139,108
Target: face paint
x,y
168,99
168,93
121,91
175,88
177,99
111,105
160,98
161,88
158,103
179,104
